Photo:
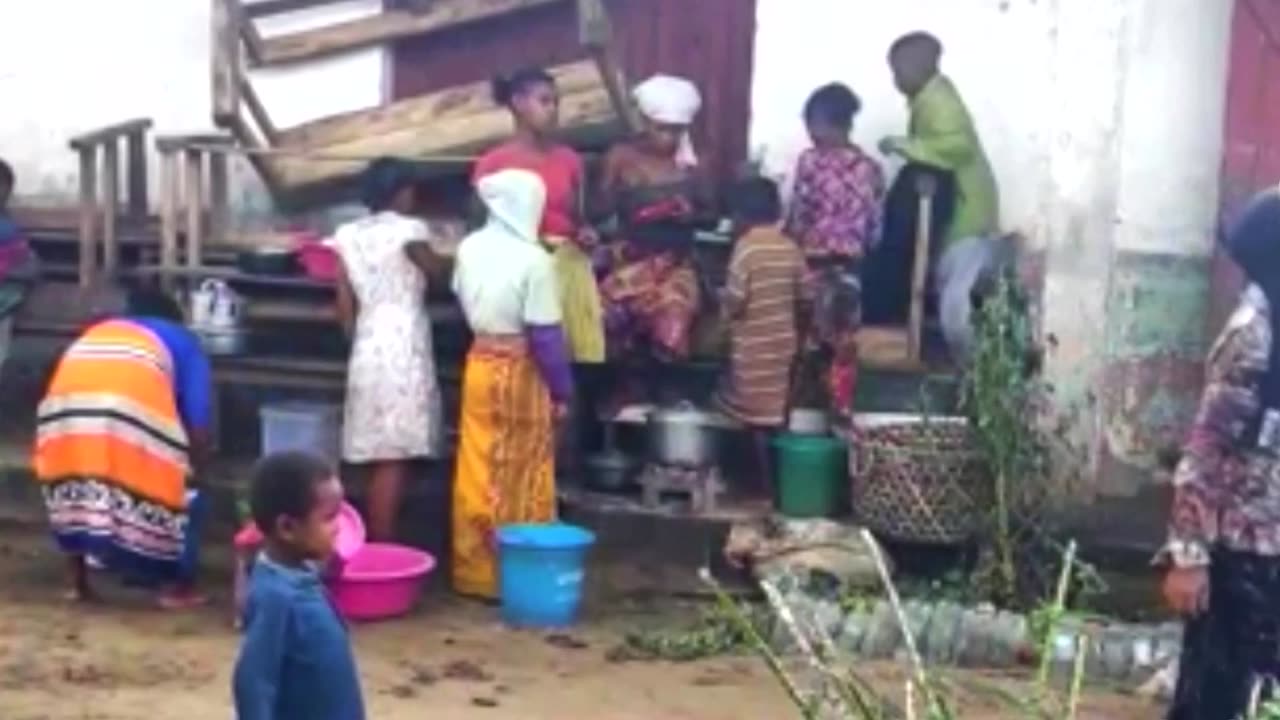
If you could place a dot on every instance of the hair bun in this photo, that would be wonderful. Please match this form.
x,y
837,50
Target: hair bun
x,y
501,89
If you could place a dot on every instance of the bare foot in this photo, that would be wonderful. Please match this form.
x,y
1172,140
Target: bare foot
x,y
175,600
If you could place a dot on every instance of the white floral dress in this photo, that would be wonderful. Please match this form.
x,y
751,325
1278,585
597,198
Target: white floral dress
x,y
393,401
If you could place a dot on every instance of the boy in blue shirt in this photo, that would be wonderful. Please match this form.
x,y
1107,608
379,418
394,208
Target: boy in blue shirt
x,y
296,661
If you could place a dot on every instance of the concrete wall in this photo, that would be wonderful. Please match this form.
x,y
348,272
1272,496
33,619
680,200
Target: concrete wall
x,y
1103,119
67,66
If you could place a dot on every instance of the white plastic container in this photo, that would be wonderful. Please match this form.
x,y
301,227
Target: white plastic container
x,y
306,426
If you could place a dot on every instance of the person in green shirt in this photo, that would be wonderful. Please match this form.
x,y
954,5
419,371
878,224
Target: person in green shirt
x,y
941,134
942,144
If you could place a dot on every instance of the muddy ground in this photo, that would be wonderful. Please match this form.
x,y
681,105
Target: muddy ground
x,y
450,661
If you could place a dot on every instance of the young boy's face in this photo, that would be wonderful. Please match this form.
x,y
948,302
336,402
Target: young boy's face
x,y
313,536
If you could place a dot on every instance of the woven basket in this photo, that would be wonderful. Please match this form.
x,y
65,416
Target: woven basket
x,y
919,480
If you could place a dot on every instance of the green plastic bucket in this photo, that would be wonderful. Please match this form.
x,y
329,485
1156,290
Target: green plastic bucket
x,y
812,476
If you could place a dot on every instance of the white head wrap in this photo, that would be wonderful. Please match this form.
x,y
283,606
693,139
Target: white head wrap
x,y
671,100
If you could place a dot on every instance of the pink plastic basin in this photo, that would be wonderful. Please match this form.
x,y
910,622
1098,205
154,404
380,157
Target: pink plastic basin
x,y
381,581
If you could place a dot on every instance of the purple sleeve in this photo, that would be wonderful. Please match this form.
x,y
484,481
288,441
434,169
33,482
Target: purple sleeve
x,y
551,354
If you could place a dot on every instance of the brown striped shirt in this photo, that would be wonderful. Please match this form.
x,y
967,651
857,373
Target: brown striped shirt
x,y
760,303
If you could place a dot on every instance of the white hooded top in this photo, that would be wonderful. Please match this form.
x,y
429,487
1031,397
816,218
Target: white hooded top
x,y
503,277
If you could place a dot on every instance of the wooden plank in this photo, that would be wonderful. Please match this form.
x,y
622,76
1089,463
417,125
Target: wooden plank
x,y
225,50
594,29
919,272
194,191
93,137
136,174
386,27
170,177
110,207
88,212
265,8
258,111
175,143
456,123
425,110
219,199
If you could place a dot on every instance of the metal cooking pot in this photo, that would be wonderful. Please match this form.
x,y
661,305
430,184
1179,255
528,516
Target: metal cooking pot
x,y
610,471
684,436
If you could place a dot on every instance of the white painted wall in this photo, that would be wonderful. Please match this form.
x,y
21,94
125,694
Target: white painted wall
x,y
1103,120
67,66
1061,90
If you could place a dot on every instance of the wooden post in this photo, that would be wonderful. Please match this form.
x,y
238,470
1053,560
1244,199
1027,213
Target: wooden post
x,y
920,270
88,212
136,174
110,206
170,177
226,49
194,192
219,198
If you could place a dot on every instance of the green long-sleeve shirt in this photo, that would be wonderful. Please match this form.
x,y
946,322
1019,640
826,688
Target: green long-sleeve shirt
x,y
942,134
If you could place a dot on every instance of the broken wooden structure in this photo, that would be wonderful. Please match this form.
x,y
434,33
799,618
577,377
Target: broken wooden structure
x,y
100,153
444,129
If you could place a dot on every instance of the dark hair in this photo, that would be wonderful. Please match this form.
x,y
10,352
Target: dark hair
x,y
506,88
924,41
383,179
6,174
834,104
284,484
756,200
153,302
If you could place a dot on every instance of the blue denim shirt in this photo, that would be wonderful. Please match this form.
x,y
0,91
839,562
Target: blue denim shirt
x,y
296,661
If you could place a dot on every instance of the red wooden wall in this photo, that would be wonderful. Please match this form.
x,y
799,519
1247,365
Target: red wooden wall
x,y
708,41
1251,155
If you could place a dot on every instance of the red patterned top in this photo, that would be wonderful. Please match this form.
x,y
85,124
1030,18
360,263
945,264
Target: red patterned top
x,y
837,203
1226,492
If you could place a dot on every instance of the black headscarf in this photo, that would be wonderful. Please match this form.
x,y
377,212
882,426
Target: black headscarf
x,y
1253,241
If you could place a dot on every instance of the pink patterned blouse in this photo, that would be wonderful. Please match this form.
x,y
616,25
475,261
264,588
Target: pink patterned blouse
x,y
837,203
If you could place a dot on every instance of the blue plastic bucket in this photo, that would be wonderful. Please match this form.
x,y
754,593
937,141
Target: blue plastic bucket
x,y
541,569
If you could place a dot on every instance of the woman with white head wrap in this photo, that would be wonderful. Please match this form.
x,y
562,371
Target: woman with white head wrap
x,y
669,105
651,291
517,377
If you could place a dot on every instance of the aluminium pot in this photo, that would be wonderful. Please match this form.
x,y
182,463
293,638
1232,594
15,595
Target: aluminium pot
x,y
683,436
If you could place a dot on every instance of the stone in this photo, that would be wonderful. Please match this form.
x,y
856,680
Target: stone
x,y
1006,637
918,615
853,633
1117,653
819,551
883,633
943,634
975,637
827,618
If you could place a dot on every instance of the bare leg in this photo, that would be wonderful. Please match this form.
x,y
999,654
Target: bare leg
x,y
78,571
386,483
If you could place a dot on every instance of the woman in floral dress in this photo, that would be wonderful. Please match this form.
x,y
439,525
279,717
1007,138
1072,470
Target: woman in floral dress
x,y
392,412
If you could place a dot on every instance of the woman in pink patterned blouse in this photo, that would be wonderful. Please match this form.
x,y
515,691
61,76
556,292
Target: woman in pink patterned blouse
x,y
835,217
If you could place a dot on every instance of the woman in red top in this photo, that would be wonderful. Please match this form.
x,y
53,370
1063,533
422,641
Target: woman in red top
x,y
534,102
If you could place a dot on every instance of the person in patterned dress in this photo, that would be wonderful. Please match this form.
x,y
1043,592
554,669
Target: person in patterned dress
x,y
392,410
835,217
1222,558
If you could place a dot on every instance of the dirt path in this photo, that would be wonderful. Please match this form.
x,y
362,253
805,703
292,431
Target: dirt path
x,y
450,661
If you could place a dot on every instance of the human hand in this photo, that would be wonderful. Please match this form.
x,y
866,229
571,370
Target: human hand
x,y
560,412
588,239
1186,590
891,145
